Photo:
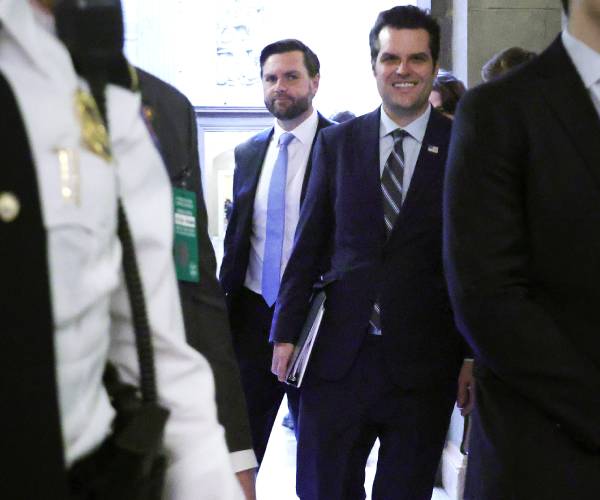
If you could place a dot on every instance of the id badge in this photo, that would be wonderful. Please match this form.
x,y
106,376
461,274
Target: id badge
x,y
185,245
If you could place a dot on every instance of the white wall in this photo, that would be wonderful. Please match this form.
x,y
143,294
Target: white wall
x,y
176,39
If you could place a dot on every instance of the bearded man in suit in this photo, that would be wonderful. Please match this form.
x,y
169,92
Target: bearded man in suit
x,y
267,194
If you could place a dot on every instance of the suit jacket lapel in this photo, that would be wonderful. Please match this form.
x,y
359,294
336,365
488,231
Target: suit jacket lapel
x,y
366,152
255,156
322,123
566,95
250,166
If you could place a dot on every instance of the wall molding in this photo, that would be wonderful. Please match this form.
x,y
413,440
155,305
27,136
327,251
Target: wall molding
x,y
232,118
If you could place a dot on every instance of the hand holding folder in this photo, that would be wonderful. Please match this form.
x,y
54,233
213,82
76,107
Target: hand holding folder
x,y
310,330
306,341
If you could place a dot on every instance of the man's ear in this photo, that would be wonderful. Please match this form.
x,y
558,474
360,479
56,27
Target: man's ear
x,y
315,82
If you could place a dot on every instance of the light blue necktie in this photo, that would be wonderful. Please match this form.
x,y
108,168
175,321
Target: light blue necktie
x,y
271,271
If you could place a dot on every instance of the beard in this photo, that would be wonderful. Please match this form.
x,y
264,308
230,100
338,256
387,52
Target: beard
x,y
293,110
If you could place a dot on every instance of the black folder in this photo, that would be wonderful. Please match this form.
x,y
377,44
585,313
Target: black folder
x,y
306,341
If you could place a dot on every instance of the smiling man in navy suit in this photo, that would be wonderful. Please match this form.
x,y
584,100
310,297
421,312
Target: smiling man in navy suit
x,y
272,170
388,357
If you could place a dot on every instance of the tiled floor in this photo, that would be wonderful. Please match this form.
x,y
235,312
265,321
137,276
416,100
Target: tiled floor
x,y
276,480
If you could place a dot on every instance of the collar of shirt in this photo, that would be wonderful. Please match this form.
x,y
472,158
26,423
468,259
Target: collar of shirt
x,y
44,18
411,145
305,132
21,20
585,59
416,128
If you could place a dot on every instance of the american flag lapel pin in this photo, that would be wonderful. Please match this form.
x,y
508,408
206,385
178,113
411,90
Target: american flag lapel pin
x,y
433,149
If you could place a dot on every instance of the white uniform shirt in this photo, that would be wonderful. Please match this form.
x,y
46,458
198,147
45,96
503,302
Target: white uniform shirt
x,y
298,156
92,319
587,62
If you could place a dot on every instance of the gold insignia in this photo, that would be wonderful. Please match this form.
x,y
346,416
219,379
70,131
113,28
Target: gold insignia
x,y
9,207
68,162
148,113
93,130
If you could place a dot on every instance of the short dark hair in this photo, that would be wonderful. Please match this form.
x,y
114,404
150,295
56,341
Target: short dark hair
x,y
406,17
565,4
504,61
311,61
342,116
451,89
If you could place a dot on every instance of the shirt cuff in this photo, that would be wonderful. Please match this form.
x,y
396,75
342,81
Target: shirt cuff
x,y
243,460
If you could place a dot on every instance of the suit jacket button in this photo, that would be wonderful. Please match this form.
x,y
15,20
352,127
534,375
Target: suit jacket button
x,y
9,207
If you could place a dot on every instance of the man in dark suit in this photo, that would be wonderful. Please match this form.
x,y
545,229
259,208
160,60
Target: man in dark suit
x,y
387,358
522,248
261,229
172,121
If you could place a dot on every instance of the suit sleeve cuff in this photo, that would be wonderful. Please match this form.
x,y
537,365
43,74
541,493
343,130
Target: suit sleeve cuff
x,y
243,460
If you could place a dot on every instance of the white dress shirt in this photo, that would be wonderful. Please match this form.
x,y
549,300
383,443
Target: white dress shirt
x,y
298,156
411,144
587,63
92,319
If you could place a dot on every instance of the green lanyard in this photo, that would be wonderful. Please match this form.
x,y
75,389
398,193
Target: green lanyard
x,y
185,244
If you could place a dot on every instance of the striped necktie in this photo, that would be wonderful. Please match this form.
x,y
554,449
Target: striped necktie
x,y
392,193
271,270
392,181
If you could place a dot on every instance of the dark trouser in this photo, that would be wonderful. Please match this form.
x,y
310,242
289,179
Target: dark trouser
x,y
518,453
263,391
340,421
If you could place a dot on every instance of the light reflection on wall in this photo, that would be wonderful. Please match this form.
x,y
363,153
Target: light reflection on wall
x,y
238,50
209,50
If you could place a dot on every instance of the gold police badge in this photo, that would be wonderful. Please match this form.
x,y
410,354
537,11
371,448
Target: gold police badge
x,y
93,130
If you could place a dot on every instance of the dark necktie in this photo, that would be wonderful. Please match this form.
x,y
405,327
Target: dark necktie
x,y
392,181
391,190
